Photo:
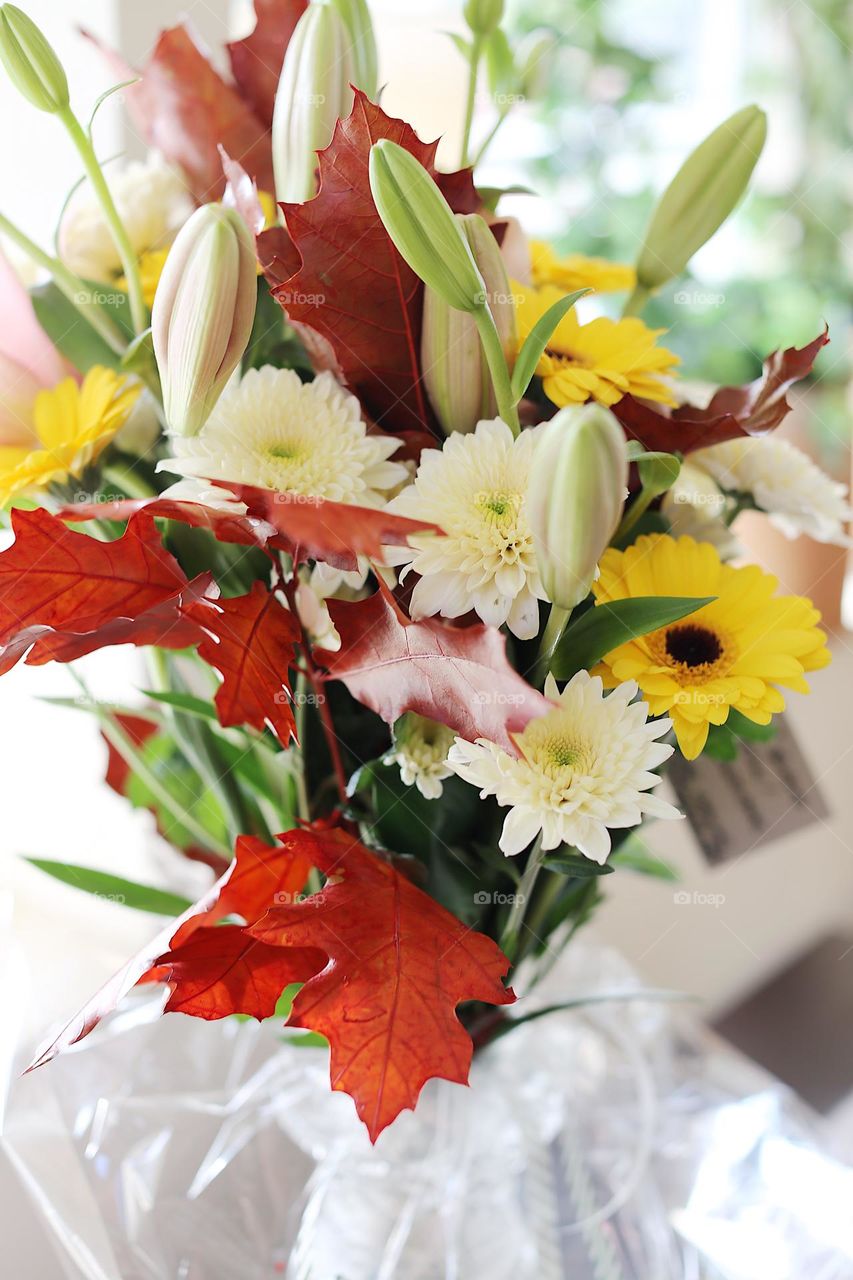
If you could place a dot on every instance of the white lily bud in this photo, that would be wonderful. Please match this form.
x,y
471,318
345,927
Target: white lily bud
x,y
313,93
575,498
203,313
455,370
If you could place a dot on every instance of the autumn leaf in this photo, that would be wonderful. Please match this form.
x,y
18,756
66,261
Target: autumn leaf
x,y
184,109
224,525
63,594
138,729
752,410
247,889
256,61
399,964
459,676
318,529
353,288
249,640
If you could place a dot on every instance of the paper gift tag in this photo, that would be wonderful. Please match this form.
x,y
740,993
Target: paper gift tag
x,y
739,805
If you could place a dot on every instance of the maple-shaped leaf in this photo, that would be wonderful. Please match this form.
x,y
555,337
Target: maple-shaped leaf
x,y
459,676
247,889
752,410
63,593
256,61
318,529
353,288
249,640
399,965
184,109
224,525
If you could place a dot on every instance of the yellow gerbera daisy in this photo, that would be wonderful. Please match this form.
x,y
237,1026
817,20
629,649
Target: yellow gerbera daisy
x,y
576,271
732,653
71,425
602,360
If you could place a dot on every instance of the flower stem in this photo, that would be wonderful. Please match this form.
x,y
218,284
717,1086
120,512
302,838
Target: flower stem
x,y
637,301
555,626
95,174
512,928
496,360
74,289
489,139
473,72
638,508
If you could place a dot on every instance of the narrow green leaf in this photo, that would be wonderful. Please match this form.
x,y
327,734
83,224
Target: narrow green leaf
x,y
141,897
108,93
537,340
574,864
184,702
605,626
638,858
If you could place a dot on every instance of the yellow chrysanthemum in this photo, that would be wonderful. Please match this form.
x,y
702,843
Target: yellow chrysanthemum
x,y
576,271
71,425
602,360
732,653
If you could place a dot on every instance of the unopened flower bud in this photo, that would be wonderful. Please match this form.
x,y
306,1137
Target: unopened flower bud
x,y
421,223
30,61
455,370
314,92
483,16
356,16
203,313
701,196
575,498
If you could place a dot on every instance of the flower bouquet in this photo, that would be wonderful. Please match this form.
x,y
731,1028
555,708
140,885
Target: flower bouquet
x,y
427,549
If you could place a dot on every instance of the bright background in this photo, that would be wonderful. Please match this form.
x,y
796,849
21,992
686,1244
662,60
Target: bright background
x,y
632,89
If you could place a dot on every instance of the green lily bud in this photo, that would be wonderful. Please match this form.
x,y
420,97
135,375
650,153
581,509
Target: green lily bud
x,y
30,61
575,498
701,196
314,92
203,312
421,223
356,16
483,16
456,373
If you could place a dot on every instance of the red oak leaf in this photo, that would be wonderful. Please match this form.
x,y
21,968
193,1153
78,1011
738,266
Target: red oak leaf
x,y
185,110
353,288
63,594
225,526
317,529
457,675
138,730
256,61
247,889
752,410
399,964
249,640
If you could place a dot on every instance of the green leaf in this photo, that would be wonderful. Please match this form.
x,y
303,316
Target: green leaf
x,y
108,93
605,626
141,897
73,336
184,702
637,857
491,196
463,46
748,730
537,340
721,744
574,864
501,70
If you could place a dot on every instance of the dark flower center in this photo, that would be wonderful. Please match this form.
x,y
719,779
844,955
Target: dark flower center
x,y
693,646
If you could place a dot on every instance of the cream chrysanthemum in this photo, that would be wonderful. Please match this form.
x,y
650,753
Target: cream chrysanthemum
x,y
276,432
584,767
475,490
153,203
782,481
420,752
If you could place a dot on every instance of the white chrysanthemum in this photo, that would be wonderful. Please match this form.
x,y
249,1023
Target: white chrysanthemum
x,y
272,430
784,482
475,490
420,751
153,203
695,506
583,767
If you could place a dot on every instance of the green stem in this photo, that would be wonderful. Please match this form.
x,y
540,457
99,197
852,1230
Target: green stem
x,y
126,479
555,626
512,928
473,72
636,301
489,139
77,293
95,174
498,368
638,508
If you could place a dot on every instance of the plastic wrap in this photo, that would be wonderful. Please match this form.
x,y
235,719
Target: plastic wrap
x,y
618,1142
